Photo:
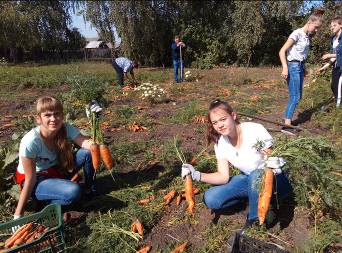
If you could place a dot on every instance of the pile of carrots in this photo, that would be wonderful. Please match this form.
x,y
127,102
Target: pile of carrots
x,y
26,234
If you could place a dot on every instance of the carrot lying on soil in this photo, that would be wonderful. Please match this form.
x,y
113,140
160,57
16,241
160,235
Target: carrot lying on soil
x,y
178,200
19,233
106,156
265,195
180,248
145,249
168,197
145,201
75,177
137,227
189,195
95,156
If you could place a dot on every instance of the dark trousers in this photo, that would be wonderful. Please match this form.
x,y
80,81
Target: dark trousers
x,y
335,76
119,73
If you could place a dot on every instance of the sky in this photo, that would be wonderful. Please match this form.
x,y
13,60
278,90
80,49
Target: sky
x,y
84,28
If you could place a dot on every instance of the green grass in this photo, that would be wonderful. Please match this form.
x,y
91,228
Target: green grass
x,y
52,75
187,113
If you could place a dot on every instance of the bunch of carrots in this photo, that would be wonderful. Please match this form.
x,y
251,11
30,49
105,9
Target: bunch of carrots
x,y
26,234
99,151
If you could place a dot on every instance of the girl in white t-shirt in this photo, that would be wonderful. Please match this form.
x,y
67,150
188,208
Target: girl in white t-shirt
x,y
45,159
292,56
244,146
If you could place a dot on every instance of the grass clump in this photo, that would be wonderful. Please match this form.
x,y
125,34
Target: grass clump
x,y
187,113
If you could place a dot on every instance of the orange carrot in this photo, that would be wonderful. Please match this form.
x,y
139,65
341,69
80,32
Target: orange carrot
x,y
137,227
106,156
145,201
195,191
189,195
75,177
145,249
168,197
180,248
21,240
95,156
265,195
179,200
19,233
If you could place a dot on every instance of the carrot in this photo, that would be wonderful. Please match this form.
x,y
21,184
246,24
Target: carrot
x,y
106,156
168,197
137,227
18,234
145,201
196,191
145,249
180,248
265,195
76,177
21,240
95,156
189,195
179,200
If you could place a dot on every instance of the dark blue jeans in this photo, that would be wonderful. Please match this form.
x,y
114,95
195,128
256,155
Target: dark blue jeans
x,y
119,73
295,85
241,187
63,191
178,66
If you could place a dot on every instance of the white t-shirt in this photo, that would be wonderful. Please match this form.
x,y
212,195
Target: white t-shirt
x,y
247,158
300,49
334,44
33,146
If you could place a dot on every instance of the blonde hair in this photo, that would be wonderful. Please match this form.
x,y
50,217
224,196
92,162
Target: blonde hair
x,y
64,147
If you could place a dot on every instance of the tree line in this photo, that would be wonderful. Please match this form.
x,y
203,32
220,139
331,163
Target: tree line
x,y
216,32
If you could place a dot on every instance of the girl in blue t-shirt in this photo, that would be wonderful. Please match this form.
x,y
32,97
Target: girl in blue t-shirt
x,y
46,159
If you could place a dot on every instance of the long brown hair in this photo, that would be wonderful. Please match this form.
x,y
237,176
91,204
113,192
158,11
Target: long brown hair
x,y
212,134
64,147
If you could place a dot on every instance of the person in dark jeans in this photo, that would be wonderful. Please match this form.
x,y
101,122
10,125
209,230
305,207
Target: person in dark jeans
x,y
177,58
123,66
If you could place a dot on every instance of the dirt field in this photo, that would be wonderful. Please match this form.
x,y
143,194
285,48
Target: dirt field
x,y
143,162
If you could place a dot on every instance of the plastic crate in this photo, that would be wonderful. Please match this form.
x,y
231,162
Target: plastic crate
x,y
245,244
51,241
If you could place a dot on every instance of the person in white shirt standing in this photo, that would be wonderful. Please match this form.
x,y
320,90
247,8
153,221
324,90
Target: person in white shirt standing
x,y
292,56
246,147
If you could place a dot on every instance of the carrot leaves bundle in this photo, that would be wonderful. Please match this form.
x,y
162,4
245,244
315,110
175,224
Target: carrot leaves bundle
x,y
189,195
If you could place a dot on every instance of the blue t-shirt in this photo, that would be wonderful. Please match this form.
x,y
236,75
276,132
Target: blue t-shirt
x,y
33,146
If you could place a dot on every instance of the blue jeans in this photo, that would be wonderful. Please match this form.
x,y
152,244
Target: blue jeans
x,y
63,191
295,85
177,65
119,73
244,186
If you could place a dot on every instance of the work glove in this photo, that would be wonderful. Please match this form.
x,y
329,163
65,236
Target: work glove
x,y
275,163
188,169
93,107
15,228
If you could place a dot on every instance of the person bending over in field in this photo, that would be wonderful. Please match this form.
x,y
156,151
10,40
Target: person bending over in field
x,y
46,159
244,146
292,56
123,68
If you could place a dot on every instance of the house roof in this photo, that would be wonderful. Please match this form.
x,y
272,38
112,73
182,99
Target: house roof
x,y
94,44
98,43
